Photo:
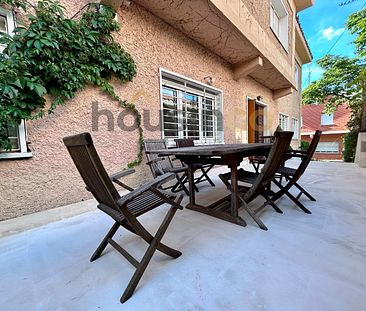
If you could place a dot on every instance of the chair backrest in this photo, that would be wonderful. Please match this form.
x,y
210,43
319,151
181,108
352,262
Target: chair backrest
x,y
91,169
309,155
157,168
273,162
184,142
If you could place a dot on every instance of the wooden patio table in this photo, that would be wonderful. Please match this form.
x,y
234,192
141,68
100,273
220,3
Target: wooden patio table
x,y
221,154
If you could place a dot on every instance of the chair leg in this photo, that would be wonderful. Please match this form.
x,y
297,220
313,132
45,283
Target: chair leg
x,y
302,190
270,202
256,167
104,242
208,177
297,202
253,215
205,176
148,255
225,181
180,183
281,178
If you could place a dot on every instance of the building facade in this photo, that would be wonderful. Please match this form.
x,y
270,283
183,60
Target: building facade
x,y
216,70
333,127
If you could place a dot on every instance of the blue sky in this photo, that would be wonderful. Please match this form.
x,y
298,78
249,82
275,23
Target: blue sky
x,y
323,24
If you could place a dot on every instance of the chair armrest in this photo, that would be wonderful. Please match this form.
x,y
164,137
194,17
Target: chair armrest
x,y
153,161
158,181
117,176
121,174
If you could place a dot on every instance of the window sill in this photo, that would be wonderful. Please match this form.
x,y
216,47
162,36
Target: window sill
x,y
15,155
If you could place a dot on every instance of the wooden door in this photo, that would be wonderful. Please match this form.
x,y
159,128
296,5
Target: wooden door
x,y
255,121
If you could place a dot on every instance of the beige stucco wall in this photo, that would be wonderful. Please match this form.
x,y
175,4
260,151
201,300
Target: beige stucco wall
x,y
49,179
260,9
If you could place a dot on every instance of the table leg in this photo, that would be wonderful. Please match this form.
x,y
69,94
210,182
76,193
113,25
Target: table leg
x,y
234,191
192,197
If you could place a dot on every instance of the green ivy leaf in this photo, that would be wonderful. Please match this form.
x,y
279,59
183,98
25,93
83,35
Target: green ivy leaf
x,y
40,90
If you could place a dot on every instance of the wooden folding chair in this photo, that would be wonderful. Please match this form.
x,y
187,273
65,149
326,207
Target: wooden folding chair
x,y
292,175
161,165
257,161
124,210
260,181
204,168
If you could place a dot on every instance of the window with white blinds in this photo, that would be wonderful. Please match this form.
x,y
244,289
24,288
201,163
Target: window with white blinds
x,y
327,119
328,147
190,110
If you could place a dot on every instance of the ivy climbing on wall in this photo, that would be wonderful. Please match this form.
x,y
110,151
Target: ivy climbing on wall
x,y
57,56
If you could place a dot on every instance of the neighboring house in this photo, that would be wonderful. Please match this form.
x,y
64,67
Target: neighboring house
x,y
239,59
334,126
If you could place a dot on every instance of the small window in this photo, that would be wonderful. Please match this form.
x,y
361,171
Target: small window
x,y
16,132
327,119
295,128
6,24
327,147
283,122
190,110
279,21
17,136
3,23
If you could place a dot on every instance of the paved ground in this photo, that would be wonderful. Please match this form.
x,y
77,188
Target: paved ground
x,y
304,262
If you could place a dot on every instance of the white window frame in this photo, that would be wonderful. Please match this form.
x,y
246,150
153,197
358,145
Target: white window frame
x,y
22,133
295,128
286,118
10,23
279,22
23,149
327,119
330,147
218,135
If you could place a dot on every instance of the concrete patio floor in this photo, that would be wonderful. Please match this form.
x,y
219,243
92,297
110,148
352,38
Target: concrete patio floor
x,y
304,262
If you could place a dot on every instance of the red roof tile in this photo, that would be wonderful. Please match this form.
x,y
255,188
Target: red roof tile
x,y
311,118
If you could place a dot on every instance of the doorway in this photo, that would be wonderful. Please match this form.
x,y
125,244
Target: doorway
x,y
256,120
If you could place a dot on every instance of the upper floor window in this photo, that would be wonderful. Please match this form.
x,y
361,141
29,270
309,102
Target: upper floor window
x,y
327,119
190,110
284,122
279,21
16,133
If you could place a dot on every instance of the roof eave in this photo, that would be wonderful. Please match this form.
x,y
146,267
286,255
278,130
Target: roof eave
x,y
302,46
303,4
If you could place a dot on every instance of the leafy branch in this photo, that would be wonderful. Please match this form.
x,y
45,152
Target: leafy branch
x,y
58,56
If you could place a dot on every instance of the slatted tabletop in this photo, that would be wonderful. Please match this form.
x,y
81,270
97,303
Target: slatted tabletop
x,y
213,150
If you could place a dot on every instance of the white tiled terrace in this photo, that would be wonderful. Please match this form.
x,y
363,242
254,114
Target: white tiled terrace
x,y
303,262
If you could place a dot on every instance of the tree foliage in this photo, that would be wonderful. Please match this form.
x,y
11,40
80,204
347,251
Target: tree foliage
x,y
58,56
356,24
344,78
341,83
